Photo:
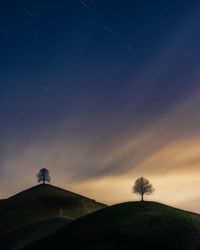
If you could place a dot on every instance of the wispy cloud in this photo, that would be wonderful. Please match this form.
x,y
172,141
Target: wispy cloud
x,y
30,13
3,100
47,90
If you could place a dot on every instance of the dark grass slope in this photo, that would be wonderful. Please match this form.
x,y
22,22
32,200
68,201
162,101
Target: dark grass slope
x,y
20,237
43,202
129,226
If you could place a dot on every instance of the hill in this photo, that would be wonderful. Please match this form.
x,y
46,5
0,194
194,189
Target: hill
x,y
22,236
129,226
43,202
1,201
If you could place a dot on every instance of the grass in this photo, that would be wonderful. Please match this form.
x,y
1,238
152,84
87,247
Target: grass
x,y
43,202
20,237
131,225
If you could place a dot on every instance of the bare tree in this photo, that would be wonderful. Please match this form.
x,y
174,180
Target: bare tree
x,y
143,186
43,176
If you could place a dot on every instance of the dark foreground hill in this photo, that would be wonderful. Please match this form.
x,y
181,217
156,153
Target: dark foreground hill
x,y
22,236
43,202
129,226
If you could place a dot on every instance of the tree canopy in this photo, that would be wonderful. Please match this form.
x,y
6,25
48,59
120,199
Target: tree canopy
x,y
143,186
43,176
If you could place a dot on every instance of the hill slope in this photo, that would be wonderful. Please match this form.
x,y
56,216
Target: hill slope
x,y
43,202
132,225
22,236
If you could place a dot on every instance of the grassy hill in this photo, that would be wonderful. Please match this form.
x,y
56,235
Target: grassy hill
x,y
43,202
2,201
25,235
132,225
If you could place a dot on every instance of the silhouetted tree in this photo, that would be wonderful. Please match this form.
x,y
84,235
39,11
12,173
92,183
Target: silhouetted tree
x,y
43,176
143,186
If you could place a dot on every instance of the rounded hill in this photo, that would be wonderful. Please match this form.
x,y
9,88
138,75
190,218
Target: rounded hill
x,y
43,202
130,226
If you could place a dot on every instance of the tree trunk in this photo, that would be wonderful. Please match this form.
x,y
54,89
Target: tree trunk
x,y
142,197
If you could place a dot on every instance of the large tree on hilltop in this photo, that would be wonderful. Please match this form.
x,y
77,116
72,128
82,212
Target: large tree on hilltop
x,y
43,176
143,186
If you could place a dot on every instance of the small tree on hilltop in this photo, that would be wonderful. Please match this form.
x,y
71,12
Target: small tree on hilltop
x,y
43,176
143,186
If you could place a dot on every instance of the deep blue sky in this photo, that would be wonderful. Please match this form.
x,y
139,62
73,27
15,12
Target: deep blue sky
x,y
89,53
96,74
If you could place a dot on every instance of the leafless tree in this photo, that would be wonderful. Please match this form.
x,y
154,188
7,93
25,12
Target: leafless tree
x,y
143,186
43,176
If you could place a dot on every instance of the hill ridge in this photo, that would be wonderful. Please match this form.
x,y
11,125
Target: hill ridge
x,y
127,226
42,202
40,186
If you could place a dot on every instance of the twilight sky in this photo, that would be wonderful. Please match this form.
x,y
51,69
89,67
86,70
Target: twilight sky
x,y
100,93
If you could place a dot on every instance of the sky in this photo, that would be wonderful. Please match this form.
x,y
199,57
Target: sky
x,y
100,93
